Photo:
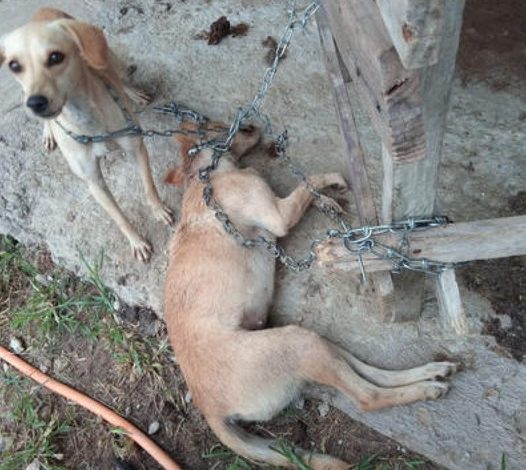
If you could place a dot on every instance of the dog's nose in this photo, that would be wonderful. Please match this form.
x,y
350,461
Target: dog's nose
x,y
37,103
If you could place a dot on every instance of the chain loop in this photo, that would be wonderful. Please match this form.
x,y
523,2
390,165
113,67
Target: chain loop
x,y
358,241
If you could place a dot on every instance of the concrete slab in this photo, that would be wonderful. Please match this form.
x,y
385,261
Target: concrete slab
x,y
42,203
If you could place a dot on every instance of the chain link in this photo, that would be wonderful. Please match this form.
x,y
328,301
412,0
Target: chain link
x,y
357,241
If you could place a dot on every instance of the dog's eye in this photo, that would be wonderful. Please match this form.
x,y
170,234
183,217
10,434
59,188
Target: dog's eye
x,y
15,66
55,58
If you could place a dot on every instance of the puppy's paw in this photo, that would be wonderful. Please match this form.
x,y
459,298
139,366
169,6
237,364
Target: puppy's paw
x,y
164,214
441,370
336,181
48,141
329,203
433,390
141,249
138,96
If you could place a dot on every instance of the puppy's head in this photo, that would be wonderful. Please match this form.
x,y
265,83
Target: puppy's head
x,y
47,57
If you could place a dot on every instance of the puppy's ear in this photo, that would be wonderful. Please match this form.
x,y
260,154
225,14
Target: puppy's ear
x,y
50,14
174,176
90,41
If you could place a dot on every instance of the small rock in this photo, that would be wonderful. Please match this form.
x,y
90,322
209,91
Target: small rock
x,y
299,403
43,279
45,365
5,367
153,427
16,345
6,442
60,364
323,409
34,465
188,397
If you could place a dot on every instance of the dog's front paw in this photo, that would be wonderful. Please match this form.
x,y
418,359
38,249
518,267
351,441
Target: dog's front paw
x,y
327,202
164,214
141,249
48,141
138,96
336,181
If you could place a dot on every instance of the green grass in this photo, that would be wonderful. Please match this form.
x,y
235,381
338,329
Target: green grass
x,y
376,462
38,434
233,461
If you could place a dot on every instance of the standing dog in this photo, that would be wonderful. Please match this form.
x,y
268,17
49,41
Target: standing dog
x,y
217,296
73,81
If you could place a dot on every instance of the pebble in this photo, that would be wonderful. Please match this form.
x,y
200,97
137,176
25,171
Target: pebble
x,y
60,364
16,345
6,442
34,465
299,404
153,427
188,397
323,408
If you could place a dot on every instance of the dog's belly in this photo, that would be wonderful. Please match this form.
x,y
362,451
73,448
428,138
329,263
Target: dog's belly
x,y
258,280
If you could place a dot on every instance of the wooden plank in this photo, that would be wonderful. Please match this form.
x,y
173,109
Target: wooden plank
x,y
415,27
450,303
453,243
389,92
382,284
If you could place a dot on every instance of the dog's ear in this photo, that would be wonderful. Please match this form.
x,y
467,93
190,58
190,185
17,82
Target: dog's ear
x,y
174,176
50,14
90,41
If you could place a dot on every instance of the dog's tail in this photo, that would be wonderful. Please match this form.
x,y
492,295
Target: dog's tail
x,y
270,451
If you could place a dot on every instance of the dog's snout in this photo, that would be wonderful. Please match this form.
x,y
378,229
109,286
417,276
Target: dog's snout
x,y
38,104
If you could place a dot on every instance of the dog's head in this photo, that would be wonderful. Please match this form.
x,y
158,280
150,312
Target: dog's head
x,y
245,140
47,57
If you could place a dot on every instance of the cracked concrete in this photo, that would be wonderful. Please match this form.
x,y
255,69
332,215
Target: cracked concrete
x,y
43,203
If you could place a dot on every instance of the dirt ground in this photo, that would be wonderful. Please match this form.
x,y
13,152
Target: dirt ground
x,y
493,51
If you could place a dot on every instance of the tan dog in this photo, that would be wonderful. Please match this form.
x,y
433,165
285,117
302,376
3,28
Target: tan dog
x,y
66,70
217,295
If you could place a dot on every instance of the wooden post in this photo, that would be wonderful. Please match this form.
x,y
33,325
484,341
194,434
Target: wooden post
x,y
381,281
415,26
410,189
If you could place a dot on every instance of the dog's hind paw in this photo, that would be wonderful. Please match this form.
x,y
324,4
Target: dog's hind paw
x,y
441,370
434,390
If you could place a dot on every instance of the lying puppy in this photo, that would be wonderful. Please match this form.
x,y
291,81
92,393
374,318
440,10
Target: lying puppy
x,y
217,296
69,77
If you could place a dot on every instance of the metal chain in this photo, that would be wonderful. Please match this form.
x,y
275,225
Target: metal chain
x,y
358,241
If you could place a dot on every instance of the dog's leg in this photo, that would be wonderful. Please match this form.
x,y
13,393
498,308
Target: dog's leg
x,y
321,363
137,147
88,169
283,213
396,378
48,139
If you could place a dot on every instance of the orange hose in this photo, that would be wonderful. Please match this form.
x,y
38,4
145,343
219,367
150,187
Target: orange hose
x,y
92,405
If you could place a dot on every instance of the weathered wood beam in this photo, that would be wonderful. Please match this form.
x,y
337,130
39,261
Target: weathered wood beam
x,y
389,92
415,27
452,243
450,303
357,174
410,189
